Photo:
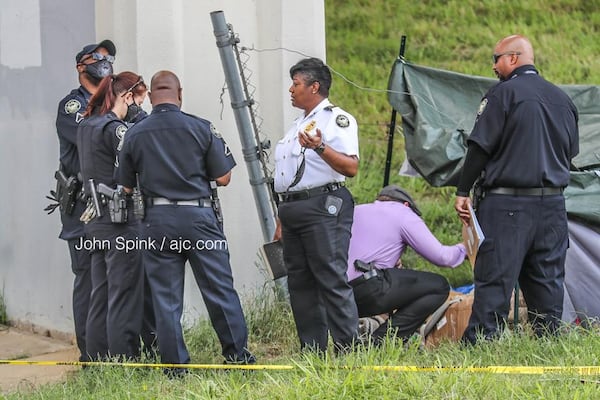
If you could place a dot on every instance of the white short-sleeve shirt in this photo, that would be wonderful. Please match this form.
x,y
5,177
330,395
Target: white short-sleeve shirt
x,y
339,131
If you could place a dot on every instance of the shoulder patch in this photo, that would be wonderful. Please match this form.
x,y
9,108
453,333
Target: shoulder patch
x,y
342,121
120,134
120,131
72,106
215,132
482,106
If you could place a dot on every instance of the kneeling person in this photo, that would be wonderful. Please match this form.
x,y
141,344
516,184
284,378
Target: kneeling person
x,y
380,233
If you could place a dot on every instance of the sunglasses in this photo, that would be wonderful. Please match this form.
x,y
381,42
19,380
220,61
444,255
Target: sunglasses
x,y
139,82
496,57
100,57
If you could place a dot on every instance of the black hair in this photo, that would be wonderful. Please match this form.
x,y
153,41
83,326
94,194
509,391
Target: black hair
x,y
314,70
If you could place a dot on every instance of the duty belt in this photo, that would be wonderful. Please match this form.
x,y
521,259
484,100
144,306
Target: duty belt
x,y
161,201
308,193
541,191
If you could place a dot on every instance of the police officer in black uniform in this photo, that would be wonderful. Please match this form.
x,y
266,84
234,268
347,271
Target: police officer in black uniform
x,y
116,305
93,63
524,138
176,156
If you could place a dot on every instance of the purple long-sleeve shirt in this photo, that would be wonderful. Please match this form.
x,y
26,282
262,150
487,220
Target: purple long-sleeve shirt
x,y
381,231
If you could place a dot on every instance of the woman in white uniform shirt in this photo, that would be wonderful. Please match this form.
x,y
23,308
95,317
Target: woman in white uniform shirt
x,y
315,211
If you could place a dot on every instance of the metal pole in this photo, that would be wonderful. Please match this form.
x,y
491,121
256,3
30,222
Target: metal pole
x,y
390,146
240,105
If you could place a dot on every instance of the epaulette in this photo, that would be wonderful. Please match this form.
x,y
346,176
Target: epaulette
x,y
330,107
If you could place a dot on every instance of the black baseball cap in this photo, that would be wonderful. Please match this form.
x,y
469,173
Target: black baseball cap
x,y
90,48
397,193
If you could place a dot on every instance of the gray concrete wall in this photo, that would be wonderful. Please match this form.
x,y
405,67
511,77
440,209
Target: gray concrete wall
x,y
38,42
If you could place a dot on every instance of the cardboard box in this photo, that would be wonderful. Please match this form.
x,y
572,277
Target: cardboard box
x,y
452,322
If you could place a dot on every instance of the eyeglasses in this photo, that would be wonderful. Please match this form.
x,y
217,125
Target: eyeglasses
x,y
496,57
139,82
100,57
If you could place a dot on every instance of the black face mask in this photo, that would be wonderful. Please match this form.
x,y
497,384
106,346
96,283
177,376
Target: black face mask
x,y
132,112
99,69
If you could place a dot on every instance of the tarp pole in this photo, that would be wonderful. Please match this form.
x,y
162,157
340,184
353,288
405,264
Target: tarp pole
x,y
390,146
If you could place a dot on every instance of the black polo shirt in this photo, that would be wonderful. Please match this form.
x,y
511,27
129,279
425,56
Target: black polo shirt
x,y
176,155
529,128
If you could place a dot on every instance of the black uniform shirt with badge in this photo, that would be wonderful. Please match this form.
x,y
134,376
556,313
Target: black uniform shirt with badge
x,y
339,131
176,155
99,139
69,115
522,125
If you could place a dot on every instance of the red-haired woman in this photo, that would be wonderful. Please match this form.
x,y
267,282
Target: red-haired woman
x,y
116,304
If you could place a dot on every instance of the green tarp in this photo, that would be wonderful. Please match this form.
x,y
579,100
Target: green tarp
x,y
438,111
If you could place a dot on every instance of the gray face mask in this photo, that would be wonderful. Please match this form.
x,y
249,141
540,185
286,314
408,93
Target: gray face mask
x,y
99,69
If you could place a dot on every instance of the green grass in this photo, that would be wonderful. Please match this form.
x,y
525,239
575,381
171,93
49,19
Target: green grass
x,y
363,38
352,376
3,315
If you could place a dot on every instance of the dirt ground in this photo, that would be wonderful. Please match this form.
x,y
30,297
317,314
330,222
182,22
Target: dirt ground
x,y
20,345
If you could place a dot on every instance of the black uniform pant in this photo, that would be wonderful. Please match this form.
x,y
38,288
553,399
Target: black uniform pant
x,y
82,287
315,250
183,233
413,295
526,239
116,305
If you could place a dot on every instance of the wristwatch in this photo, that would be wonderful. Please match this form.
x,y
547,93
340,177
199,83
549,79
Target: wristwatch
x,y
320,148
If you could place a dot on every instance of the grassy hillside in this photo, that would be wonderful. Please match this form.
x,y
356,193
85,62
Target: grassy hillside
x,y
363,40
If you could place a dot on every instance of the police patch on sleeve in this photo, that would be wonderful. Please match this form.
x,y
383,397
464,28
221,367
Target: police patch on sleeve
x,y
120,134
482,106
72,106
215,132
342,121
120,131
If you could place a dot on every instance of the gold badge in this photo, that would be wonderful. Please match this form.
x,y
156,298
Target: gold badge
x,y
215,132
308,129
482,106
72,106
342,121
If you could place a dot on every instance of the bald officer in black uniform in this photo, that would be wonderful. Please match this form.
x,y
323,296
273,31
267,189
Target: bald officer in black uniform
x,y
176,156
524,138
93,63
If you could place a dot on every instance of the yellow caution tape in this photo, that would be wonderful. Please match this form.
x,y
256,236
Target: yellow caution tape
x,y
493,369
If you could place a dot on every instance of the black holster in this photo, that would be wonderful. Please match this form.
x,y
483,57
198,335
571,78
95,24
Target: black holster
x,y
67,192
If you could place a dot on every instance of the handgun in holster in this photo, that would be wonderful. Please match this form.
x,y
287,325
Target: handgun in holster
x,y
139,209
67,190
216,202
117,203
92,208
368,269
478,192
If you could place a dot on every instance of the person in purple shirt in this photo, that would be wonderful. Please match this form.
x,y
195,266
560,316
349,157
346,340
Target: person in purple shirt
x,y
396,297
